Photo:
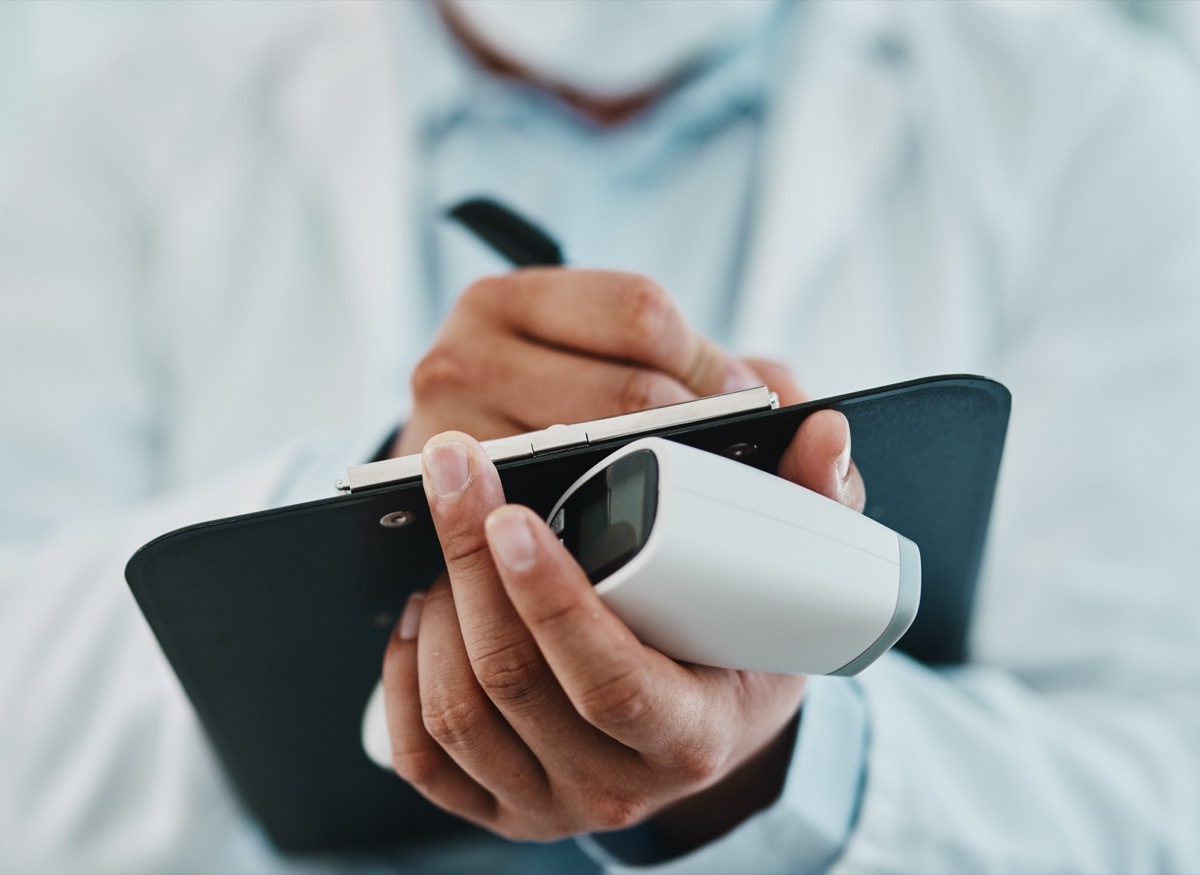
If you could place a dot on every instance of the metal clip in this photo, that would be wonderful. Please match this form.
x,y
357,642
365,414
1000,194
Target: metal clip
x,y
561,437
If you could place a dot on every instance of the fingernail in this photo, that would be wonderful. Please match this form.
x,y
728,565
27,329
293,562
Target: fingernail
x,y
843,458
740,377
410,620
511,540
448,468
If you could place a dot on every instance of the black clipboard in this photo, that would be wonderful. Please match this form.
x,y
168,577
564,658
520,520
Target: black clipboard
x,y
276,621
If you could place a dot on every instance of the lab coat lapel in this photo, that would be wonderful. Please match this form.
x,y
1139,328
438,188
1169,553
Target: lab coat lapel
x,y
357,137
836,129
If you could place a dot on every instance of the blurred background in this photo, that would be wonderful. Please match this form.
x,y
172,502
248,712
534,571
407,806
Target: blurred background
x,y
46,44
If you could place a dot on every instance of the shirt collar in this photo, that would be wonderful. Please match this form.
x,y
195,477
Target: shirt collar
x,y
454,89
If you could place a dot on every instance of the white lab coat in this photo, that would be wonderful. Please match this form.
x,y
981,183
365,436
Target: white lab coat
x,y
210,300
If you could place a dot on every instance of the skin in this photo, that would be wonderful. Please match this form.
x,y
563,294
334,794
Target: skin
x,y
605,112
545,345
514,697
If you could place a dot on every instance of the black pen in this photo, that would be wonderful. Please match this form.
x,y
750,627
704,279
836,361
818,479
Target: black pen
x,y
520,241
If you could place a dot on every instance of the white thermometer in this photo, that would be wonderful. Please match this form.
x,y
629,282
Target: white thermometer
x,y
711,561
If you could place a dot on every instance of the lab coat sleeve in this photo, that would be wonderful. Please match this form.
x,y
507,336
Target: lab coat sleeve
x,y
1071,740
103,766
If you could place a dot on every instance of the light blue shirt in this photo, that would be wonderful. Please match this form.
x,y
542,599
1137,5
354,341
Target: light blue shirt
x,y
668,195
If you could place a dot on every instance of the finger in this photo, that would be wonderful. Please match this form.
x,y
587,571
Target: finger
x,y
416,757
615,682
778,378
463,487
818,458
504,658
621,316
535,385
460,718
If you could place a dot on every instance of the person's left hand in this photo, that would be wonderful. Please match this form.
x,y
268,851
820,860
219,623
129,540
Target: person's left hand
x,y
517,700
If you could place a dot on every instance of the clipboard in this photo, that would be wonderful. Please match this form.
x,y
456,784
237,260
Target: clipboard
x,y
275,622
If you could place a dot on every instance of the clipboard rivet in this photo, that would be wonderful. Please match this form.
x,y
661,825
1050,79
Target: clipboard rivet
x,y
740,451
397,519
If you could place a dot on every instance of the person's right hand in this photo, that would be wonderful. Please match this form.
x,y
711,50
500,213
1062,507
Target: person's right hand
x,y
541,346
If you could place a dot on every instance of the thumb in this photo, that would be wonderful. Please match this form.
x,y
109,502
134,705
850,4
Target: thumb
x,y
818,458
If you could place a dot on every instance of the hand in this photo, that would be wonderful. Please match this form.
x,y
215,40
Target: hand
x,y
541,346
518,701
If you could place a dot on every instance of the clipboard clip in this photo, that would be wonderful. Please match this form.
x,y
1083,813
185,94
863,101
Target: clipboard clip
x,y
562,437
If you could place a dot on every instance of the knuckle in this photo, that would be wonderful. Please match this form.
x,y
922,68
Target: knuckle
x,y
553,619
453,721
616,809
510,674
466,552
417,767
697,764
646,309
619,701
481,294
440,370
641,390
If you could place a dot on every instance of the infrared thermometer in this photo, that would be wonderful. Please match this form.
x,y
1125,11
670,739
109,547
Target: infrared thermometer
x,y
713,562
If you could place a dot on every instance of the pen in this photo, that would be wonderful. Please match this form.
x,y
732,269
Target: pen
x,y
523,243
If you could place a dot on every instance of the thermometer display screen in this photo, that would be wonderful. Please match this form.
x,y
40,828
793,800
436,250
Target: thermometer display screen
x,y
608,519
